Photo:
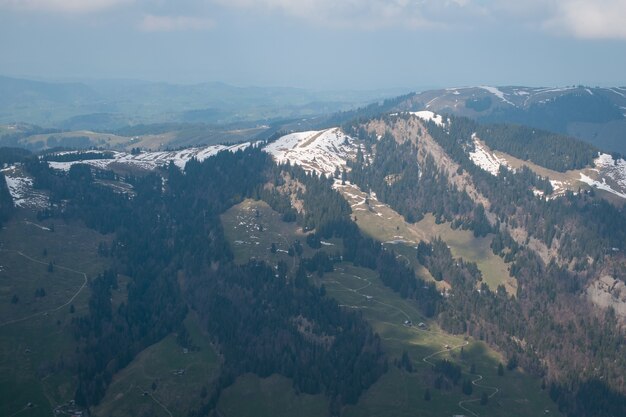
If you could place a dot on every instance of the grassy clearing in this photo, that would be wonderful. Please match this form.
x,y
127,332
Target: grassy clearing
x,y
252,226
399,393
272,397
35,333
381,222
570,179
464,244
178,376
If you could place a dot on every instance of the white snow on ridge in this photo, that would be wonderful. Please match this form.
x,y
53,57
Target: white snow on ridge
x,y
152,160
554,89
485,159
497,93
320,151
427,115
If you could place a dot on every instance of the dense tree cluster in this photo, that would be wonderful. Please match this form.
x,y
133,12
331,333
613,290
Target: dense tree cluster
x,y
544,148
557,113
268,323
11,155
413,190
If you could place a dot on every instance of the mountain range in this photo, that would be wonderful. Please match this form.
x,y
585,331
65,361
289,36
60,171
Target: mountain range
x,y
451,252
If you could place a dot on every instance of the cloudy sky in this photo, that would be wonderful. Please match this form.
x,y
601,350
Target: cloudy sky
x,y
319,44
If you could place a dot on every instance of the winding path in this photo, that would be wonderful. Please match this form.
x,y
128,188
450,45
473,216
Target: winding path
x,y
473,400
43,313
426,359
357,291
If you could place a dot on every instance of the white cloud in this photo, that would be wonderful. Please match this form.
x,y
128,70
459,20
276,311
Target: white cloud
x,y
152,23
353,13
590,19
594,19
62,6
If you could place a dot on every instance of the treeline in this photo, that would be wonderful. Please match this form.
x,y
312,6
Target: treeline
x,y
550,150
6,201
76,156
11,155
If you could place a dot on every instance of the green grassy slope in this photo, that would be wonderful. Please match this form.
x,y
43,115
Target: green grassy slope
x,y
36,345
164,379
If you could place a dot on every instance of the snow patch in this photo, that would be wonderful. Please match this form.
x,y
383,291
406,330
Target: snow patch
x,y
484,159
496,92
429,116
609,174
555,89
614,169
22,191
153,160
600,185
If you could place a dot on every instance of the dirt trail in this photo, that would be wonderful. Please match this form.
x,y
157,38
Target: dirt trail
x,y
46,312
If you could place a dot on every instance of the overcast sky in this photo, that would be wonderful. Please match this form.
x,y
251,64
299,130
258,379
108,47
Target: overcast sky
x,y
319,44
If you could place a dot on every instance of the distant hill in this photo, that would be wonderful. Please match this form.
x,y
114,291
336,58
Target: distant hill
x,y
595,115
111,104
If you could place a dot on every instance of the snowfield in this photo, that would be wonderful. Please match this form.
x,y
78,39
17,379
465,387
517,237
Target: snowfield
x,y
320,151
152,160
485,159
